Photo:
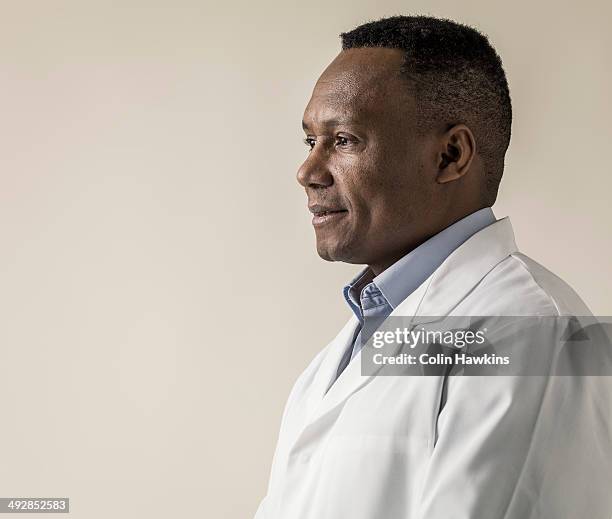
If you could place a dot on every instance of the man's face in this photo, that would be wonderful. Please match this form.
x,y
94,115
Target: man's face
x,y
367,177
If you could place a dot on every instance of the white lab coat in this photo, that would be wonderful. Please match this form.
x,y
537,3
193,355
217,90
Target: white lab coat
x,y
423,447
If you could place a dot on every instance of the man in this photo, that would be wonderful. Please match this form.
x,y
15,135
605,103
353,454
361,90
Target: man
x,y
407,130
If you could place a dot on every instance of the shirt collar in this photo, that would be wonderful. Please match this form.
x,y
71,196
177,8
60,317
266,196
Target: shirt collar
x,y
352,291
398,281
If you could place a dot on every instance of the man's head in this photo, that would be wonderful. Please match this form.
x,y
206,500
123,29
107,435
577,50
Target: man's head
x,y
408,128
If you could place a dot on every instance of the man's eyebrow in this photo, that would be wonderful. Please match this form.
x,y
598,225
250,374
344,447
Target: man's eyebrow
x,y
332,122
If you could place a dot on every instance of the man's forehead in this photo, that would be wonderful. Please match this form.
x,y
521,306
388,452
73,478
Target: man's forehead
x,y
357,84
362,71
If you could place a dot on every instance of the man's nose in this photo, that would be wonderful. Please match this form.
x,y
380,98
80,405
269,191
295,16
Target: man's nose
x,y
314,172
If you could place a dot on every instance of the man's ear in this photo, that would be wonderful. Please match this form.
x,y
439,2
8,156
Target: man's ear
x,y
458,148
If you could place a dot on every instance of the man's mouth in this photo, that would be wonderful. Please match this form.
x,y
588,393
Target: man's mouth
x,y
331,211
324,214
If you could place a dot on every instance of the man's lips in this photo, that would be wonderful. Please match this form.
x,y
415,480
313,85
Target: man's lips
x,y
325,214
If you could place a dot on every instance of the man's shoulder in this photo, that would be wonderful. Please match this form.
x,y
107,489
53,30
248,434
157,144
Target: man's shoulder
x,y
519,285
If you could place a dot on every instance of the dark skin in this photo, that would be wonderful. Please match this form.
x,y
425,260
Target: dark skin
x,y
376,187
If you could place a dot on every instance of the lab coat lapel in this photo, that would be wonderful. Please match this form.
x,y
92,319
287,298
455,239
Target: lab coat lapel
x,y
329,367
351,379
325,404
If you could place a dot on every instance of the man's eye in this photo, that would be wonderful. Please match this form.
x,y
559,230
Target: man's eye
x,y
310,142
342,141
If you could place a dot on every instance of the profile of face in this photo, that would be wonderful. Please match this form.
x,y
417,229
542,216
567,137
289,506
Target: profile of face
x,y
373,183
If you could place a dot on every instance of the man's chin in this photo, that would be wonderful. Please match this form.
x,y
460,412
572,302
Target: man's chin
x,y
324,255
325,252
336,253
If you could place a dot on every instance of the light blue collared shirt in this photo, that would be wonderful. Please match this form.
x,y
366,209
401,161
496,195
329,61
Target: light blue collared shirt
x,y
377,297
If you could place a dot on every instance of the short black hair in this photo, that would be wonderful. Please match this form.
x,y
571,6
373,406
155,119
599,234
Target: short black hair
x,y
456,77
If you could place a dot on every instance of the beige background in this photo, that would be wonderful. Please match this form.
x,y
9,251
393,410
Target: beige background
x,y
159,286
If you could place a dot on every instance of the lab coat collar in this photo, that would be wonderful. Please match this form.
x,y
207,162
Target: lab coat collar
x,y
462,271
